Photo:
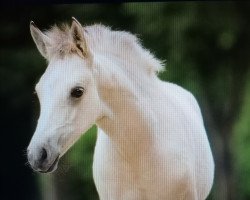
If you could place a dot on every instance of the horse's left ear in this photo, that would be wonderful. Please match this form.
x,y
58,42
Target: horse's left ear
x,y
77,33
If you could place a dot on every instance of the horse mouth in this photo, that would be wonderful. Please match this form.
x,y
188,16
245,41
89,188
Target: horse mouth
x,y
52,167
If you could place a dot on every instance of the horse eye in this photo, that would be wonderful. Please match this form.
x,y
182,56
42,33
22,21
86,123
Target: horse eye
x,y
77,92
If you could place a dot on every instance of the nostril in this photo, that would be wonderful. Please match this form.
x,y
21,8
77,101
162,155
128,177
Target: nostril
x,y
43,154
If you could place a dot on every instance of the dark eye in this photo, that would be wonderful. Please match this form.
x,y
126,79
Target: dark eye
x,y
77,92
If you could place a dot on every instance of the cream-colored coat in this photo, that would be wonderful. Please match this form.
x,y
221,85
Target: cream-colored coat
x,y
155,148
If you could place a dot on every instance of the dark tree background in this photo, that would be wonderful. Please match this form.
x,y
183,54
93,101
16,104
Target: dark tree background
x,y
207,51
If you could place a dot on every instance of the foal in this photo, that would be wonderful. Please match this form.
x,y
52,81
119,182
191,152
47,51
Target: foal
x,y
151,145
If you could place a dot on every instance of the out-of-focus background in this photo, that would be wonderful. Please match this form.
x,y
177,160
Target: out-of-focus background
x,y
207,51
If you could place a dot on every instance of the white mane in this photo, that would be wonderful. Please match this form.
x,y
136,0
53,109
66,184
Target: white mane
x,y
122,44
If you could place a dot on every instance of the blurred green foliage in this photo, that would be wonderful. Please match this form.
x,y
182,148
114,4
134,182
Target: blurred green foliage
x,y
206,47
241,145
82,165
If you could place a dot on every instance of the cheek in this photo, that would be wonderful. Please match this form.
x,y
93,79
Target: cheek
x,y
82,116
76,118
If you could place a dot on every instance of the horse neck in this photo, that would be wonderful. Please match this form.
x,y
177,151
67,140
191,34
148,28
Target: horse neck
x,y
126,124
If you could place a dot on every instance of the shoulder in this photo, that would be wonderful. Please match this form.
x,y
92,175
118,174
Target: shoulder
x,y
183,95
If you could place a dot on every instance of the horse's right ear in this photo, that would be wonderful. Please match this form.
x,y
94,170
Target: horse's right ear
x,y
41,40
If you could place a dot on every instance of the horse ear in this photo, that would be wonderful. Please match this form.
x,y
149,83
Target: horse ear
x,y
41,40
78,38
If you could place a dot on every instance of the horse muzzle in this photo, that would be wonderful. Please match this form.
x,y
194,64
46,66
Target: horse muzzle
x,y
43,160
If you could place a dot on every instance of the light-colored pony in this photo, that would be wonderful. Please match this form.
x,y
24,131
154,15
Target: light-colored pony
x,y
151,142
